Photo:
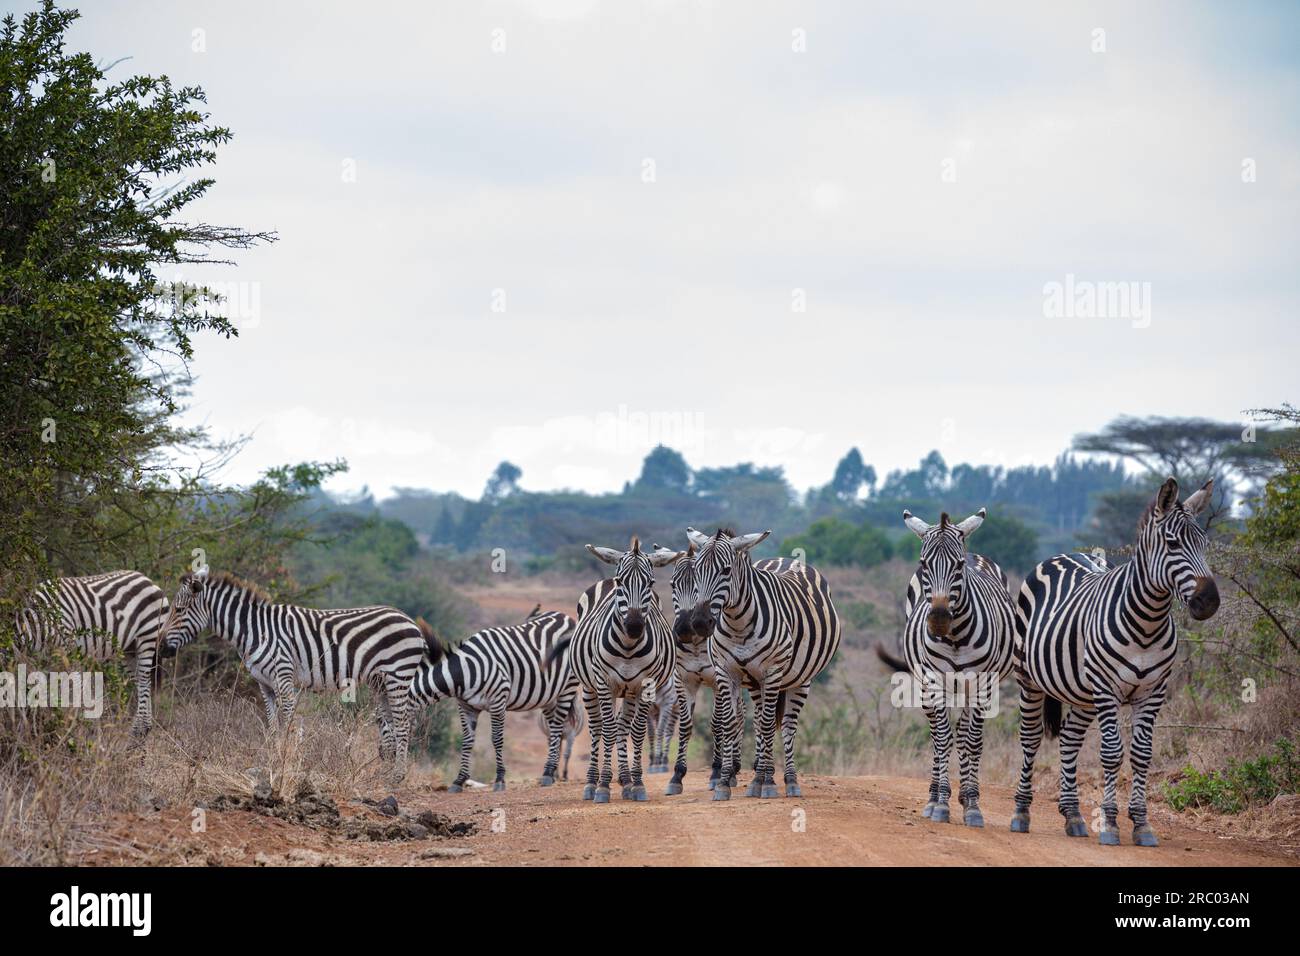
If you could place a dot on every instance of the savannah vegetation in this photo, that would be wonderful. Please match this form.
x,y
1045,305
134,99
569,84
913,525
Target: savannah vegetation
x,y
99,171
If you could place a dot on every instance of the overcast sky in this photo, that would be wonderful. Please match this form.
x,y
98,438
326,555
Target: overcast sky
x,y
653,192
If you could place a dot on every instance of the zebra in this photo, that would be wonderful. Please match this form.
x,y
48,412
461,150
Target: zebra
x,y
499,669
573,726
662,714
118,611
959,637
771,630
1095,638
622,648
286,647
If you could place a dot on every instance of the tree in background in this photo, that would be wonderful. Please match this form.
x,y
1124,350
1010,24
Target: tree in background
x,y
95,344
502,482
833,541
664,469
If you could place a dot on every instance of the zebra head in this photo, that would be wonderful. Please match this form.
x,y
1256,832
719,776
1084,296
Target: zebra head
x,y
189,614
634,583
720,567
941,569
1171,547
683,592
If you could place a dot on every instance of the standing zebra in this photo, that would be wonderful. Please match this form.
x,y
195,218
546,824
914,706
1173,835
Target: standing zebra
x,y
769,630
499,669
622,648
1096,638
119,611
958,639
286,647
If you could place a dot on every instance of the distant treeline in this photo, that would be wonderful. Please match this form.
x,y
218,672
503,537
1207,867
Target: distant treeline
x,y
1033,507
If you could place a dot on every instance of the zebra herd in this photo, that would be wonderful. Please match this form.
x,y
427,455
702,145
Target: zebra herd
x,y
1079,633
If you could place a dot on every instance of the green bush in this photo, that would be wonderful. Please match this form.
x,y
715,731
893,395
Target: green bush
x,y
1240,785
838,542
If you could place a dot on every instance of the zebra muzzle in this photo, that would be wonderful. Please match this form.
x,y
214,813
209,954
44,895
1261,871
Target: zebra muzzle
x,y
939,621
1204,601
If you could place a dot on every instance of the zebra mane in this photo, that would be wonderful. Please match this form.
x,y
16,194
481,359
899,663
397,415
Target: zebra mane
x,y
248,587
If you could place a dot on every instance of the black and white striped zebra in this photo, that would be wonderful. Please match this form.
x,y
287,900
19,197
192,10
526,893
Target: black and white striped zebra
x,y
573,726
958,644
286,647
119,612
771,630
1096,638
500,669
621,649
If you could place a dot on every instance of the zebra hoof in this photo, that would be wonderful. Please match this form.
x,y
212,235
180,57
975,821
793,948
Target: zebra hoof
x,y
499,785
455,788
1109,837
973,818
1020,822
929,809
722,792
1145,836
793,790
769,791
639,794
754,789
674,788
602,795
588,791
1076,826
939,814
548,781
713,782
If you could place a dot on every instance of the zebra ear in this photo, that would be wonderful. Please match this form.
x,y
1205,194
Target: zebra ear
x,y
608,555
697,538
747,541
662,556
1196,503
1167,496
973,522
917,526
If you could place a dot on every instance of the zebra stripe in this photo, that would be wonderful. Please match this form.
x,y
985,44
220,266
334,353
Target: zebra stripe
x,y
772,629
105,614
621,648
959,621
500,669
286,647
1095,638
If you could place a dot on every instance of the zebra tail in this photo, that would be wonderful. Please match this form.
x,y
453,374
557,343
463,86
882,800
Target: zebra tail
x,y
889,659
557,650
1052,716
433,647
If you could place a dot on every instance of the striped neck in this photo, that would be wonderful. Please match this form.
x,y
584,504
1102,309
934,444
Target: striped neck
x,y
238,614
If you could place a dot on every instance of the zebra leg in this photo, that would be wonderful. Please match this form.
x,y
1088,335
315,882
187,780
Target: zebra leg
x,y
685,705
1139,755
728,726
568,752
385,719
970,743
468,724
640,727
941,740
625,712
497,714
1073,729
610,728
763,784
715,772
796,697
554,731
272,710
397,692
142,669
1112,757
595,728
1031,736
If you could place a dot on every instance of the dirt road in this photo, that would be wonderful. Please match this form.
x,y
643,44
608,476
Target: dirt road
x,y
869,821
